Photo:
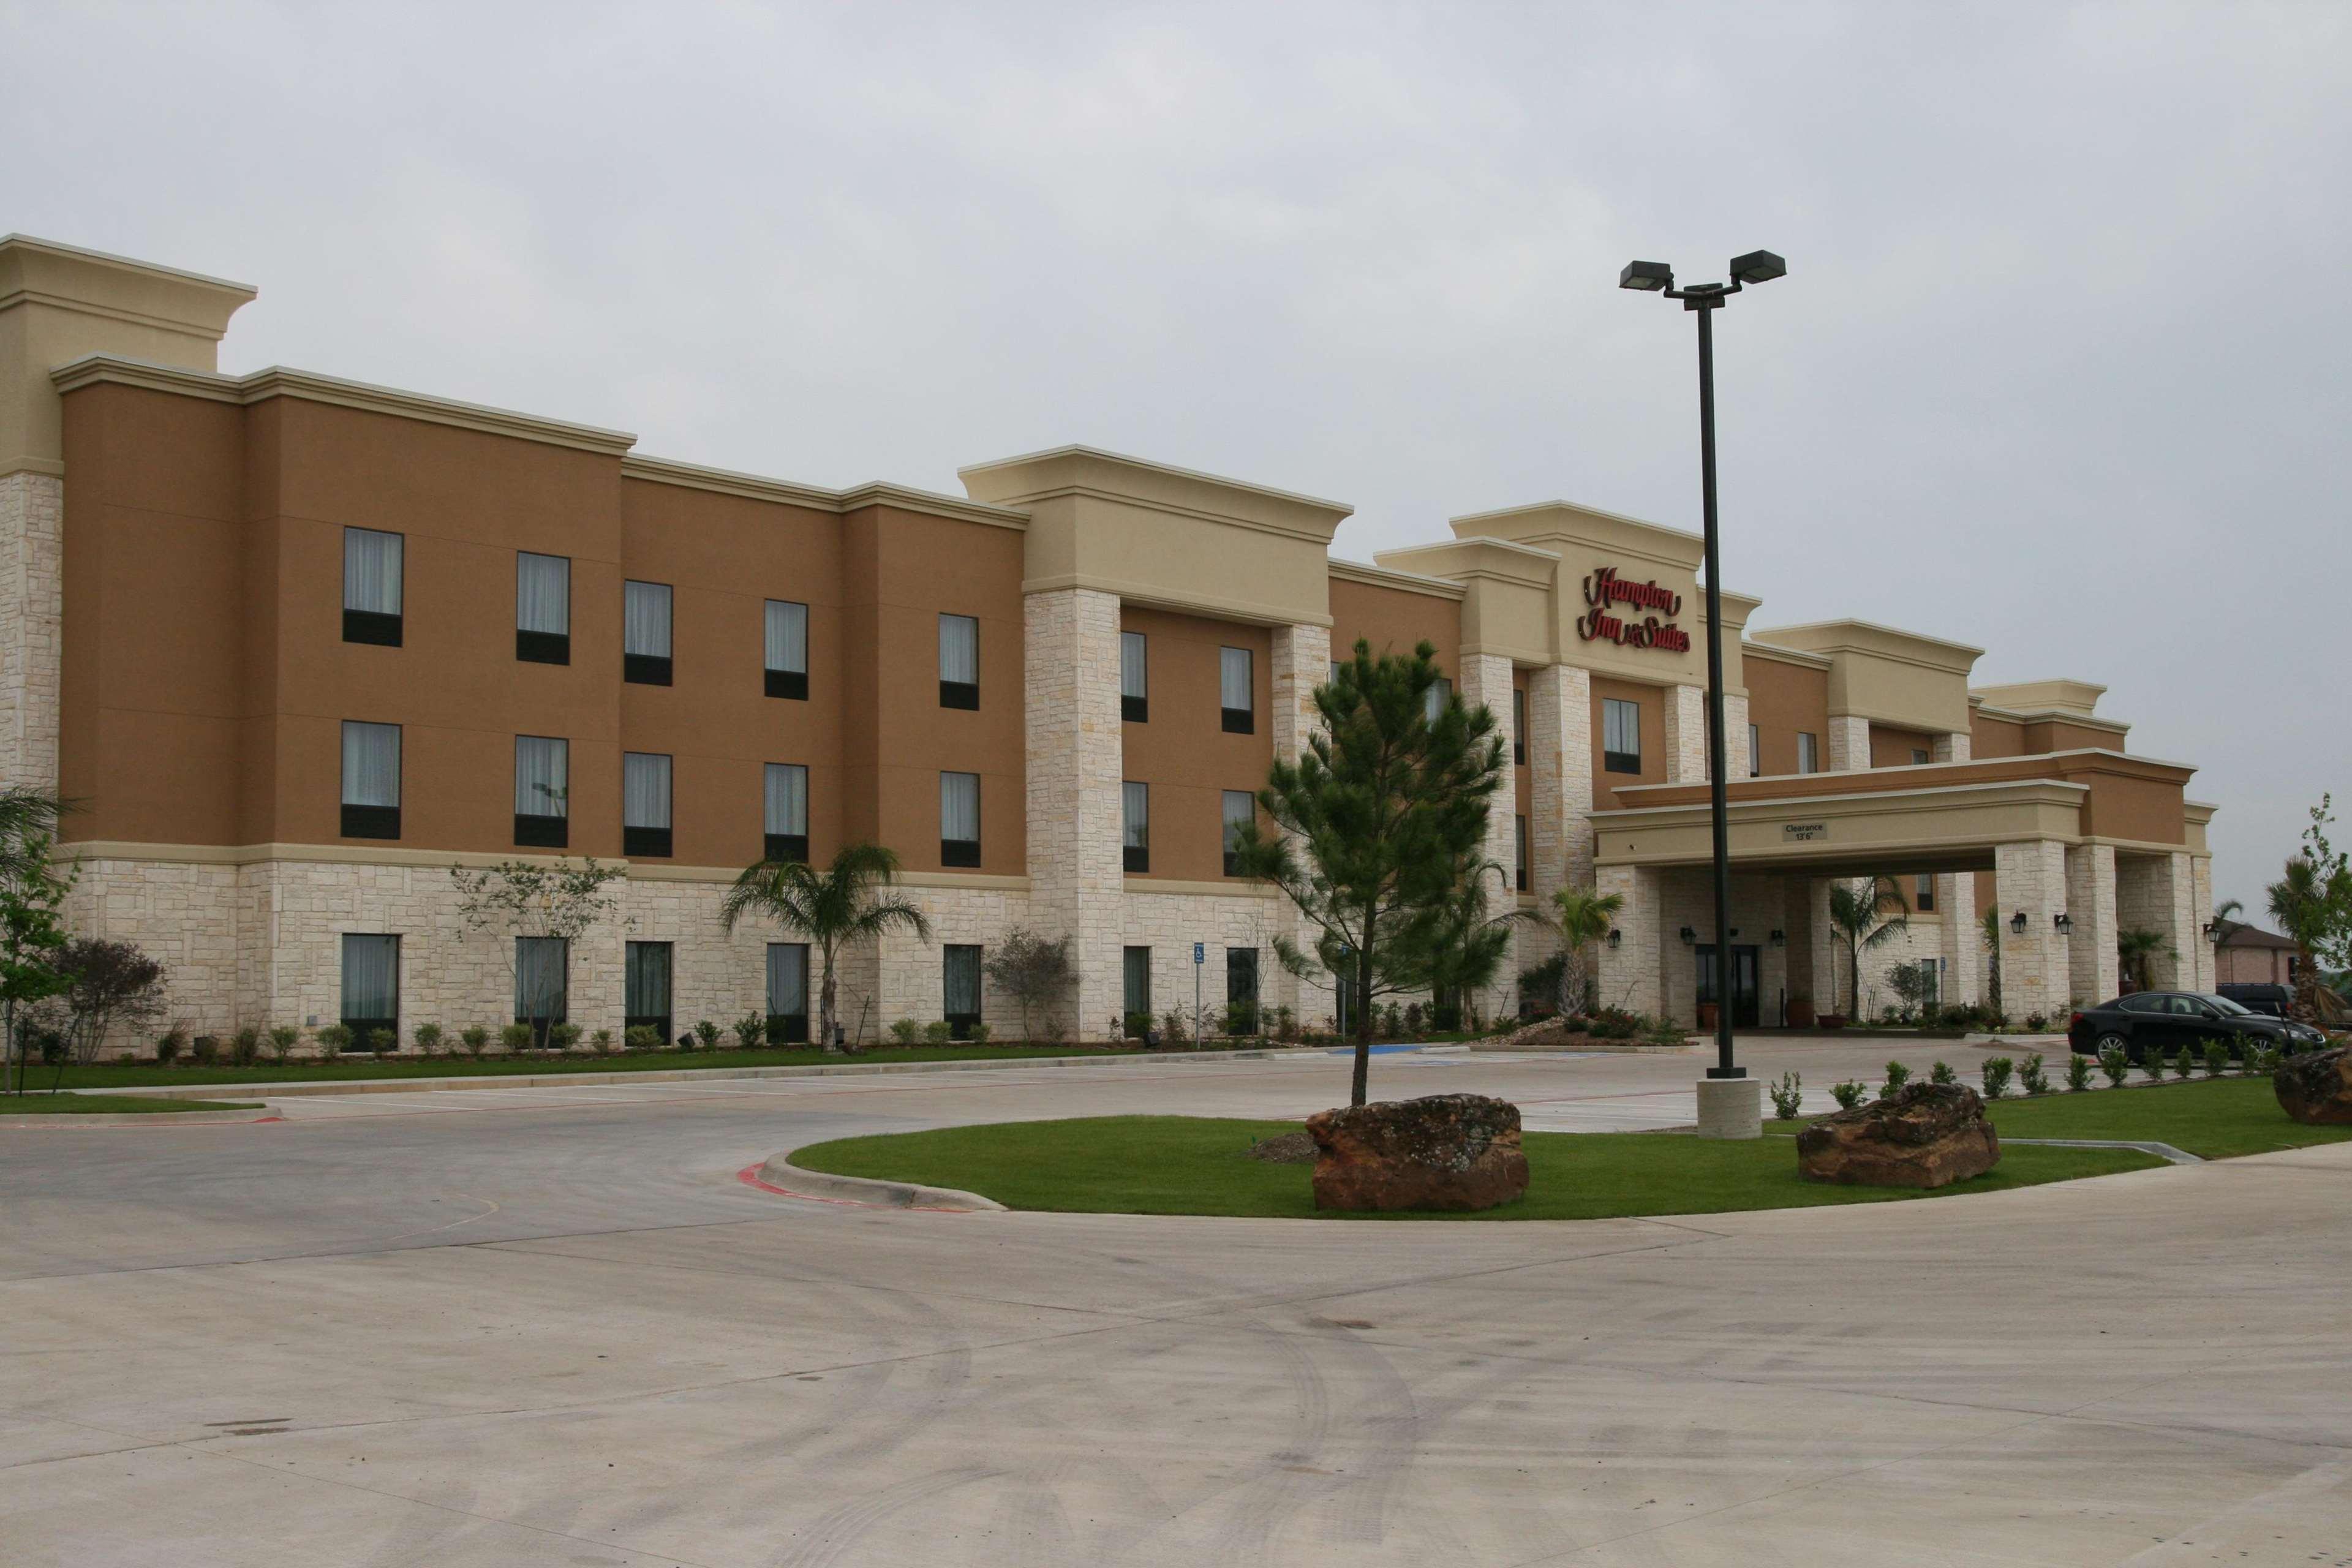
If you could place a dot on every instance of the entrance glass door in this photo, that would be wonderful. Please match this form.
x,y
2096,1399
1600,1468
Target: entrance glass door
x,y
1746,990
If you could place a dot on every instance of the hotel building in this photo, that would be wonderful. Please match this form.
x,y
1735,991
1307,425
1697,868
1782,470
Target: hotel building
x,y
298,645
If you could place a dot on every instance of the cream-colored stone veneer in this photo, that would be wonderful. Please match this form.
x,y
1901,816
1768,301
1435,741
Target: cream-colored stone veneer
x,y
32,562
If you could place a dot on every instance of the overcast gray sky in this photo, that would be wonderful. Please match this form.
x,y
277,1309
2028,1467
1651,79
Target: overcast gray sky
x,y
2058,368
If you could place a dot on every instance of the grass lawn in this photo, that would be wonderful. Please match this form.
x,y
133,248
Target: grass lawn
x,y
2214,1118
1183,1165
105,1105
360,1064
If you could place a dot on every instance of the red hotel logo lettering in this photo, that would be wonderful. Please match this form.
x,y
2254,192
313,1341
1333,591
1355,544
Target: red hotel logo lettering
x,y
1604,589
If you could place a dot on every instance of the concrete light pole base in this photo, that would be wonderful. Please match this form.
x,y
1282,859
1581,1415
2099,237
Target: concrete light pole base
x,y
1731,1108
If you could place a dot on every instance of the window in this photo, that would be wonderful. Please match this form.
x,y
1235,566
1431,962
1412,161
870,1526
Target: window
x,y
1135,970
543,980
542,792
371,987
1241,810
645,1000
1135,825
1924,896
787,656
644,633
959,661
645,804
1233,688
370,780
1241,977
1521,878
1620,736
1755,752
371,588
1433,700
1336,667
1134,678
542,608
960,988
1919,757
959,819
1808,752
786,789
1519,726
788,1010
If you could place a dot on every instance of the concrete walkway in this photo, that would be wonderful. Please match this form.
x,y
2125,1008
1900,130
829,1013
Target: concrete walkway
x,y
553,1327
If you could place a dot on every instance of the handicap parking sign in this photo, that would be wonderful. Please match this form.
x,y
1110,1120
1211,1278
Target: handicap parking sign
x,y
1199,952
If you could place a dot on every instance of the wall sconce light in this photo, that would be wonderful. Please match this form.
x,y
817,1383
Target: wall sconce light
x,y
1734,931
2017,923
1616,937
2213,930
1688,936
2065,924
1779,938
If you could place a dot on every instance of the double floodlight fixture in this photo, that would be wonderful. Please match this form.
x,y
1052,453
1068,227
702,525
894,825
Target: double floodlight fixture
x,y
1654,277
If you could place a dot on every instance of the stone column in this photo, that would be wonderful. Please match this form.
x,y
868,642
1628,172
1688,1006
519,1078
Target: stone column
x,y
1070,647
1560,788
2030,875
1734,734
1301,661
1849,743
2090,906
1685,733
1487,678
1951,748
2200,902
1629,971
1963,943
2159,893
32,576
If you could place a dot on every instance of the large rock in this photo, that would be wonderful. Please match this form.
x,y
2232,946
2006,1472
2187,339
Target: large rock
x,y
1444,1152
2315,1088
1922,1135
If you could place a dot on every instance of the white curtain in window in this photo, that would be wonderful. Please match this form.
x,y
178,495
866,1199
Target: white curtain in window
x,y
371,976
1233,677
1809,754
371,764
1621,727
960,978
1241,810
960,807
1133,671
542,777
647,980
960,649
1433,700
645,619
787,636
543,593
541,978
645,789
371,570
1135,806
787,978
787,795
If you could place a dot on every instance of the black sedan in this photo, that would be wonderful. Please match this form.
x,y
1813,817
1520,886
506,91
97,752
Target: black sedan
x,y
2169,1020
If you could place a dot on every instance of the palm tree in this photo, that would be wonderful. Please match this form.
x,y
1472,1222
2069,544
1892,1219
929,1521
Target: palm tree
x,y
1867,914
844,902
2298,902
1989,923
2135,948
27,817
2225,916
1581,917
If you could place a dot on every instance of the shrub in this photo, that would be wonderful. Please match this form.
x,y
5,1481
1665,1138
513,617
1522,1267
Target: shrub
x,y
245,1046
600,1042
1539,986
516,1038
1614,1024
2078,1073
1997,1071
1897,1075
383,1043
936,1033
335,1038
1787,1096
2036,1024
1413,1018
749,1029
2263,1060
1136,1025
1850,1093
641,1038
2217,1057
206,1050
430,1039
1942,1073
283,1038
707,1033
1285,1024
1240,1019
2032,1077
1176,1027
476,1039
564,1036
2183,1063
978,1034
907,1032
2116,1062
2151,1063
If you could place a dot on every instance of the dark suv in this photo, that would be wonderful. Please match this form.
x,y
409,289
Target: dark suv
x,y
2170,1019
2275,1000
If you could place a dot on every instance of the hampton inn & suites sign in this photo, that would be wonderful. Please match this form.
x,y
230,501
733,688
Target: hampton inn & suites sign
x,y
1605,592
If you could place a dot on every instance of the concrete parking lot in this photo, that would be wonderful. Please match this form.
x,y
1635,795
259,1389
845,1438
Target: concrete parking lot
x,y
553,1326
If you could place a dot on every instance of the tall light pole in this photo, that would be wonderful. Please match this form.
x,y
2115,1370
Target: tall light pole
x,y
1726,1111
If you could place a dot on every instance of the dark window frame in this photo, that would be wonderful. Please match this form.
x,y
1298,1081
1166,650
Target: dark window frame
x,y
544,648
648,842
1519,726
962,854
378,822
661,1023
959,1024
375,628
964,695
647,668
360,1027
1614,761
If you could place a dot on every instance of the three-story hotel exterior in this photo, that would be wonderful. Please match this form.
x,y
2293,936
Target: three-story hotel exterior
x,y
299,644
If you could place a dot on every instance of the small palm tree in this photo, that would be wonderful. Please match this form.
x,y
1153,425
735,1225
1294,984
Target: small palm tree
x,y
2298,902
28,818
2136,948
845,902
2225,917
1989,922
1868,913
1581,917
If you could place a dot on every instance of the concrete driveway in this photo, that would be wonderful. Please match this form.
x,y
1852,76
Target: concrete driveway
x,y
543,1327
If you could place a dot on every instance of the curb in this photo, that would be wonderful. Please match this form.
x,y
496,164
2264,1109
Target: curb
x,y
2165,1152
134,1119
780,1175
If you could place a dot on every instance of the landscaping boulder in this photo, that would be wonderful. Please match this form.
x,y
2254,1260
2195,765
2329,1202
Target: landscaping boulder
x,y
1922,1135
1442,1151
2315,1088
